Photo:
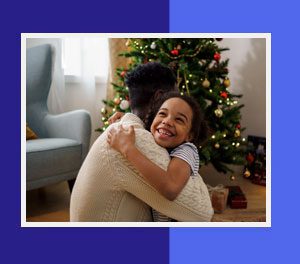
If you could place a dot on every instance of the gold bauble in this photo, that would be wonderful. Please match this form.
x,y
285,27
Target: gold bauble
x,y
218,112
237,133
117,100
206,83
226,83
247,173
217,145
232,177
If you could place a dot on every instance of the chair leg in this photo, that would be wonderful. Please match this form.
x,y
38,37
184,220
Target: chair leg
x,y
71,184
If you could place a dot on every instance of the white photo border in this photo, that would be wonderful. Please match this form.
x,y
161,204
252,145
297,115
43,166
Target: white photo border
x,y
266,36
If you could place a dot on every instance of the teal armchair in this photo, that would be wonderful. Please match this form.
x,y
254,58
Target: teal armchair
x,y
63,140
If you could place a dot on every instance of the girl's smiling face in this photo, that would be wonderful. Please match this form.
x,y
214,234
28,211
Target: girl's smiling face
x,y
172,124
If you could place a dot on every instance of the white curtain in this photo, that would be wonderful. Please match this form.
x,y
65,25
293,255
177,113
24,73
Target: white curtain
x,y
57,89
86,70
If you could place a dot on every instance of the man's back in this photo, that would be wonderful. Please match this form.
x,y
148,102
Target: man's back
x,y
108,188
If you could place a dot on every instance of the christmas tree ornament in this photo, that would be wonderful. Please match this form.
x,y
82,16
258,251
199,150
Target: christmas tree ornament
x,y
175,52
247,173
122,74
226,83
238,126
179,47
103,110
117,100
218,112
217,56
237,133
127,42
232,177
124,105
206,83
153,45
250,158
224,95
217,145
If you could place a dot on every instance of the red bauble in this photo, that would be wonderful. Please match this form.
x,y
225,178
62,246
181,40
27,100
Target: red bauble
x,y
217,56
250,158
122,74
238,126
175,52
224,95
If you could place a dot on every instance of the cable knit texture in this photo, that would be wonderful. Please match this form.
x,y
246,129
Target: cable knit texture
x,y
110,189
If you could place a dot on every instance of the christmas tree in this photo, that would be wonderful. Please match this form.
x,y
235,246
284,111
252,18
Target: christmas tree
x,y
201,73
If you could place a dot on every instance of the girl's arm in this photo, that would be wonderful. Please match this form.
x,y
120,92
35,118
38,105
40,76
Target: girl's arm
x,y
169,183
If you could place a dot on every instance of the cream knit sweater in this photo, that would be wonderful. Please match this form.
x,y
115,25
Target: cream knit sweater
x,y
108,188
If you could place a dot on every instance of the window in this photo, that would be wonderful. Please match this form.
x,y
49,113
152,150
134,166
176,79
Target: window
x,y
85,56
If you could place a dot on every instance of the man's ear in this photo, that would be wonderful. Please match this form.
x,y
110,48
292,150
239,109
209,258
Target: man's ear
x,y
158,94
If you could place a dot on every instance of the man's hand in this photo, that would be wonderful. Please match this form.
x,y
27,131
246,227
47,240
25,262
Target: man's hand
x,y
115,117
121,139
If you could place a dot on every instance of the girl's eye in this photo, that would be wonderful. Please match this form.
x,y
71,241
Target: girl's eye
x,y
180,120
161,114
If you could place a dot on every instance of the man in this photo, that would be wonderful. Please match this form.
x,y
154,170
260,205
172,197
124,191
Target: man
x,y
108,188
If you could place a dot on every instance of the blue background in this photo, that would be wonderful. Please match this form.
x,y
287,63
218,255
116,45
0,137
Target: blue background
x,y
65,245
151,245
280,243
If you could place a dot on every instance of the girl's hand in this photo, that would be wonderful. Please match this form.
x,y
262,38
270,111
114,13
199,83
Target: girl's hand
x,y
121,139
115,117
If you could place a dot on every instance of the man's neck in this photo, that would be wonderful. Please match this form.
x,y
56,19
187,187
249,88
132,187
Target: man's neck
x,y
140,113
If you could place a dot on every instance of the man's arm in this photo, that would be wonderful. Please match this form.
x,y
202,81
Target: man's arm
x,y
192,204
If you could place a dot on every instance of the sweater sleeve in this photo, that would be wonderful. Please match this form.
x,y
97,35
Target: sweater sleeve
x,y
192,204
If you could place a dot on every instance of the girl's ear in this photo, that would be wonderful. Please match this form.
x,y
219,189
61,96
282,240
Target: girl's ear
x,y
190,137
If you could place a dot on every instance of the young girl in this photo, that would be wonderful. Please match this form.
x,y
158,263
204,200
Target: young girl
x,y
177,126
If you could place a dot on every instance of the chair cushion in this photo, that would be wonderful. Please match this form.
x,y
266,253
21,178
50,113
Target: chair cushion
x,y
47,157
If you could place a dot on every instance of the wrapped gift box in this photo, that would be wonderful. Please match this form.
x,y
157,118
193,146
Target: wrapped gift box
x,y
218,196
236,198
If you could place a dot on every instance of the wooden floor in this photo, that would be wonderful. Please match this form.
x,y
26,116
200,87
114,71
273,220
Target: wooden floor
x,y
51,204
48,204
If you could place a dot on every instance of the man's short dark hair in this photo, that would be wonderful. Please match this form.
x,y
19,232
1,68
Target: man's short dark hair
x,y
145,80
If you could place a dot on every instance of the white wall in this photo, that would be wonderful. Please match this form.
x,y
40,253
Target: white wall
x,y
247,72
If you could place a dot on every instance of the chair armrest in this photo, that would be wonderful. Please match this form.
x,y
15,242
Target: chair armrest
x,y
74,125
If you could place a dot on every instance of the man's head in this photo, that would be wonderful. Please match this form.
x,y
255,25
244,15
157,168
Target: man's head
x,y
146,82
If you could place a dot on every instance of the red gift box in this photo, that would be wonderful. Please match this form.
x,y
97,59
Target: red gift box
x,y
236,198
